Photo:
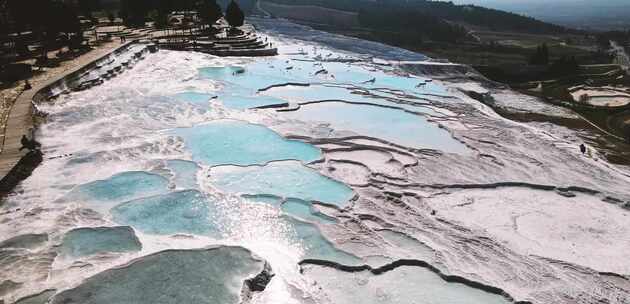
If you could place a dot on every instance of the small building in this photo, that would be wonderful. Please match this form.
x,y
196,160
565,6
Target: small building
x,y
183,17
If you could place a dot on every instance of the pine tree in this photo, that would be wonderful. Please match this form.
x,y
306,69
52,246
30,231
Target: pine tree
x,y
544,56
86,7
234,15
541,57
210,12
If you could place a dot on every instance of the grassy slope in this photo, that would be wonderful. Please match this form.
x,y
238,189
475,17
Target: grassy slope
x,y
312,14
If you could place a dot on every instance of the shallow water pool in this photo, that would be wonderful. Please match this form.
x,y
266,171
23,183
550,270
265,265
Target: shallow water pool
x,y
241,143
86,241
287,179
392,125
125,186
186,211
194,97
307,94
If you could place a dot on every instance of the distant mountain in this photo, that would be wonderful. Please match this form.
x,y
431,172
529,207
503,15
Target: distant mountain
x,y
583,14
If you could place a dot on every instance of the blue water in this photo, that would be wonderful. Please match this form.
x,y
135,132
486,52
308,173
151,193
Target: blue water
x,y
347,73
199,276
250,77
300,218
241,85
194,97
393,125
186,211
265,72
87,241
104,194
316,246
294,207
409,85
268,199
305,211
236,98
220,72
284,179
301,94
241,102
240,143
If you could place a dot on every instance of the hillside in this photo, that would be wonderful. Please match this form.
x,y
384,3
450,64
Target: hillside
x,y
408,15
312,14
582,14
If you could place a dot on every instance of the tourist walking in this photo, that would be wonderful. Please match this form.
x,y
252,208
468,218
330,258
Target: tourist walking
x,y
29,144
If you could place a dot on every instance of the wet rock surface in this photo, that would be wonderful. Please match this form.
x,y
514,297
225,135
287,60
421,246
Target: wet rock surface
x,y
213,275
86,241
25,241
39,298
401,281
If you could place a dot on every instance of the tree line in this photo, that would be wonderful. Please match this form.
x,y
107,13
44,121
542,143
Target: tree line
x,y
541,56
411,26
53,23
137,12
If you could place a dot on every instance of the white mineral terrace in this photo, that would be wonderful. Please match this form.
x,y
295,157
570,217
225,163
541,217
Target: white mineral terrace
x,y
326,174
